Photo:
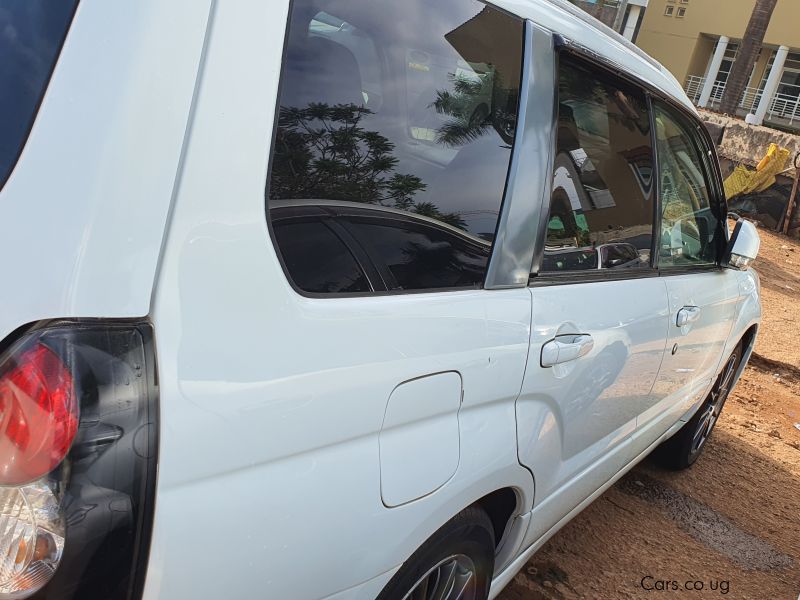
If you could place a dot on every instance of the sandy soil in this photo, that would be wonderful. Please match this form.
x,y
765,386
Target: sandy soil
x,y
731,523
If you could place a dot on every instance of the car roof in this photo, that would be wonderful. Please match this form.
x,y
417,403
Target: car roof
x,y
581,29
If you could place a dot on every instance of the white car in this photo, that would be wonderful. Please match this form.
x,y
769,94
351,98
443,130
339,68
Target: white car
x,y
280,318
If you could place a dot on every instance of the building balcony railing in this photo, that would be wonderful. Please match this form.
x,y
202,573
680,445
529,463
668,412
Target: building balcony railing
x,y
783,106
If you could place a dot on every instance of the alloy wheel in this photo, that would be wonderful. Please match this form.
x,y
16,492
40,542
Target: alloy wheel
x,y
451,579
714,406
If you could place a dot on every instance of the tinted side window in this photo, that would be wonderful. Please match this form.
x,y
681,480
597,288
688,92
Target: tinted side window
x,y
408,106
31,33
601,211
689,223
420,256
317,259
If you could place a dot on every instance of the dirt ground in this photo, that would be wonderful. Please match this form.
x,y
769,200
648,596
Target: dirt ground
x,y
730,525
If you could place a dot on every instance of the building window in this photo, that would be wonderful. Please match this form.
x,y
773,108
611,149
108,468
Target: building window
x,y
681,12
669,10
731,52
785,101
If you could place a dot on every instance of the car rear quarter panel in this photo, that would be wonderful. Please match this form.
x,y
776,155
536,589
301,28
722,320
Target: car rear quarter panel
x,y
82,216
272,403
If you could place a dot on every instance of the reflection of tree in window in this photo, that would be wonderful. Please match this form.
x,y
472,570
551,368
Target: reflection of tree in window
x,y
322,152
407,106
475,107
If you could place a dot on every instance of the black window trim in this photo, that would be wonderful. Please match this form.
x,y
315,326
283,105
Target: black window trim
x,y
388,279
374,272
591,276
654,251
378,276
717,195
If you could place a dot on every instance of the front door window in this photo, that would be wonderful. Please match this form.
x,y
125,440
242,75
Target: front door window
x,y
690,224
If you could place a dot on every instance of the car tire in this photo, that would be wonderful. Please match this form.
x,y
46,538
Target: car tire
x,y
459,556
682,449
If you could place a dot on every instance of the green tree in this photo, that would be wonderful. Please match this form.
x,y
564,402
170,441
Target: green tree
x,y
324,152
475,107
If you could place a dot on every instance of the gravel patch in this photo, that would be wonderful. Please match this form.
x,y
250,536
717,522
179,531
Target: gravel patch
x,y
706,525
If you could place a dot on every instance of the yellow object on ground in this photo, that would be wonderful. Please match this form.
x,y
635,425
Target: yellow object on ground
x,y
745,181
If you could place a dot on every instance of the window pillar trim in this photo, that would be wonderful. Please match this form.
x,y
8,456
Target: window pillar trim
x,y
526,199
657,214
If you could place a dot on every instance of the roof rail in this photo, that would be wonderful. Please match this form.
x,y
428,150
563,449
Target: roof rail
x,y
603,28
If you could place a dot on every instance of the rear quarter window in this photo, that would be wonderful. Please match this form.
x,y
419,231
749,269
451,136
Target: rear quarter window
x,y
318,259
408,109
31,35
421,255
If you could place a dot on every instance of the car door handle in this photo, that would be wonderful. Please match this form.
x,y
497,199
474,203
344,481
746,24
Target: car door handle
x,y
686,315
565,348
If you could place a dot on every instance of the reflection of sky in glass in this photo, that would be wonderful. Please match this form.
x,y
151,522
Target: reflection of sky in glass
x,y
440,80
30,32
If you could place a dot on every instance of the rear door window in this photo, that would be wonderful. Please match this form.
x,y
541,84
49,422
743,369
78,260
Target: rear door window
x,y
401,106
31,35
602,206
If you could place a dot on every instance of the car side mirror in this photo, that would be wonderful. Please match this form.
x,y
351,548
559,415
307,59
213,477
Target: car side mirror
x,y
743,246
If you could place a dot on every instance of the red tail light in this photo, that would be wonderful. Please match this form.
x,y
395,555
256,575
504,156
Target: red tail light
x,y
38,415
78,458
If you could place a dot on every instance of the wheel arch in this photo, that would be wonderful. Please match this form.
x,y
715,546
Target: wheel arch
x,y
506,508
502,506
748,341
747,321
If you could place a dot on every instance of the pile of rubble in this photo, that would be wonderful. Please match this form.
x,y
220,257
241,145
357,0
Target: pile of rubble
x,y
743,149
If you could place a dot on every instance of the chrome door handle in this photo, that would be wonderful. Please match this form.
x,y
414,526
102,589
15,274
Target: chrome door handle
x,y
565,348
686,315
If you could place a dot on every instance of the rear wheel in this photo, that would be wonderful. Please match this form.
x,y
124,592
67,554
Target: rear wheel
x,y
682,449
455,563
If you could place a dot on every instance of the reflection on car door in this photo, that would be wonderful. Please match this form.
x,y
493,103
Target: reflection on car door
x,y
707,304
702,296
598,328
575,418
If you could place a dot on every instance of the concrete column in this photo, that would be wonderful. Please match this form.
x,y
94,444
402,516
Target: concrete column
x,y
622,7
630,24
773,81
713,70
